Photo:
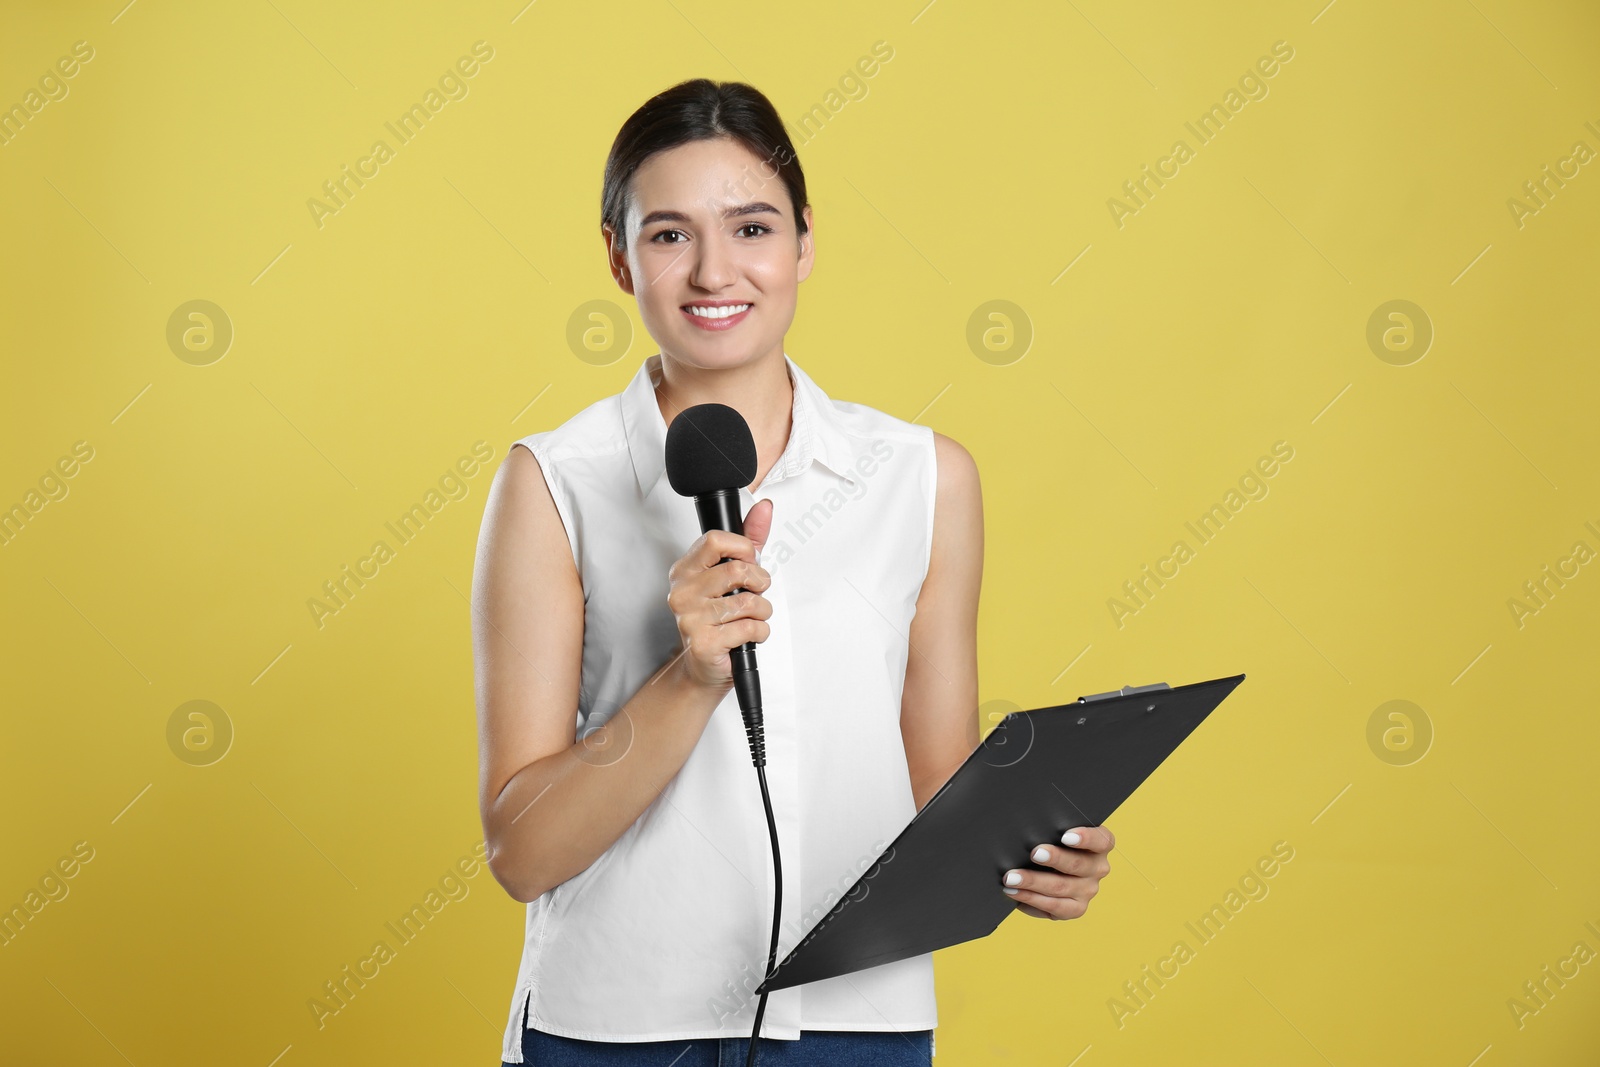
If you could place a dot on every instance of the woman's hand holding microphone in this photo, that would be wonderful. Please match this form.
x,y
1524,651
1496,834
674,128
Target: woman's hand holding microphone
x,y
710,621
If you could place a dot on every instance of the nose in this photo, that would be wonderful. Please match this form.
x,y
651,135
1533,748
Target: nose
x,y
713,267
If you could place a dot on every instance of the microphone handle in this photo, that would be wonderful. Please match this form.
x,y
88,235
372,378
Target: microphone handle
x,y
719,510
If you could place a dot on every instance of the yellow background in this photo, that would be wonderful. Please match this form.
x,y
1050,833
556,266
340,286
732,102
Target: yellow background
x,y
431,312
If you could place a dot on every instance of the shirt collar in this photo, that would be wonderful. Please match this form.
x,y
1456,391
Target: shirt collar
x,y
816,432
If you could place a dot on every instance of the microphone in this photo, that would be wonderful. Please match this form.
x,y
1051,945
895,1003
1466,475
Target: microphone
x,y
710,457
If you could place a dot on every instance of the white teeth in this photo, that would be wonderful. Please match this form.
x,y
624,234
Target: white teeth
x,y
717,313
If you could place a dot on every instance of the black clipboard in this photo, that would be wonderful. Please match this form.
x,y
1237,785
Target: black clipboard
x,y
1035,775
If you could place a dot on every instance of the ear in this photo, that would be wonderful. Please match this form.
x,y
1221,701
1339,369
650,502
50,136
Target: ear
x,y
617,260
808,248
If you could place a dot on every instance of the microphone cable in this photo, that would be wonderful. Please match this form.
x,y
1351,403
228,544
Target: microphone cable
x,y
757,750
747,688
747,683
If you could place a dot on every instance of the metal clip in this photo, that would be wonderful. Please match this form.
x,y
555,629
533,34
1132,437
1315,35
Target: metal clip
x,y
1127,690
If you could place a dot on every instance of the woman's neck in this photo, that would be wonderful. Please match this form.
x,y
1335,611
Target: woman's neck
x,y
759,390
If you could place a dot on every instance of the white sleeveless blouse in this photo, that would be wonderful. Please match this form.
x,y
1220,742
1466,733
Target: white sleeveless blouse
x,y
665,935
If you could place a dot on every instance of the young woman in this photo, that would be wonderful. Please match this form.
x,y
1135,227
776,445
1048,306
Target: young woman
x,y
617,791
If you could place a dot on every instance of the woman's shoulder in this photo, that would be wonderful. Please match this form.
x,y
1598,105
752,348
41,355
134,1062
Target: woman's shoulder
x,y
862,422
862,438
594,431
865,424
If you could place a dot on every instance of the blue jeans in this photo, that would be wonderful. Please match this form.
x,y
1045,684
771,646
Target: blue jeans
x,y
815,1048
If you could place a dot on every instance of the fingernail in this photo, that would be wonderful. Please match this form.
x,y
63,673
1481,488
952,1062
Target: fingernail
x,y
1070,838
1014,878
1010,892
1041,854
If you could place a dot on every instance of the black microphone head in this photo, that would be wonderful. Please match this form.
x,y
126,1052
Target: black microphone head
x,y
709,447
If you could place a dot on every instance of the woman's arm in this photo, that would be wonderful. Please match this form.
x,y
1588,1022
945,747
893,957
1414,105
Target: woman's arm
x,y
549,806
939,713
939,708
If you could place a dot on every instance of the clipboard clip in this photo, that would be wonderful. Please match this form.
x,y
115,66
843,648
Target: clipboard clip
x,y
1127,690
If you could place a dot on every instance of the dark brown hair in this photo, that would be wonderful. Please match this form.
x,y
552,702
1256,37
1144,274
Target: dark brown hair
x,y
699,110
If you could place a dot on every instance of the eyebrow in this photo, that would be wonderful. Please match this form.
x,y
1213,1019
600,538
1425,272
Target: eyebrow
x,y
755,207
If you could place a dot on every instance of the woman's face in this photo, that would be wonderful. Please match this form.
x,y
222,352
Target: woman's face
x,y
707,229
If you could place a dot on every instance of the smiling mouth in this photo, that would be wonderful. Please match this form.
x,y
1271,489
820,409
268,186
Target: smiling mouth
x,y
715,311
